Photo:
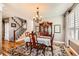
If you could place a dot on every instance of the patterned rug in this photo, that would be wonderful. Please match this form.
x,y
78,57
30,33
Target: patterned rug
x,y
23,51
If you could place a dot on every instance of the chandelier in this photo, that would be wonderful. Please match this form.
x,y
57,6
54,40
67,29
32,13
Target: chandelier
x,y
37,18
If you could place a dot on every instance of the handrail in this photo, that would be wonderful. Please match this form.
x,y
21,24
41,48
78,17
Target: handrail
x,y
16,31
19,28
15,21
14,37
21,19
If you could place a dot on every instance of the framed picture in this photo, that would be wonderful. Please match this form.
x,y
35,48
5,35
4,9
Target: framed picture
x,y
13,25
57,28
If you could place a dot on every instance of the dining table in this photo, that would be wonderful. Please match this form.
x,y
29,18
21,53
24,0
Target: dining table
x,y
41,40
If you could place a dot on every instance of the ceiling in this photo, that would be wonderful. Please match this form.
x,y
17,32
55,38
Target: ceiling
x,y
47,10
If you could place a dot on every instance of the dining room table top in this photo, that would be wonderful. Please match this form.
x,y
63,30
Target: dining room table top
x,y
42,40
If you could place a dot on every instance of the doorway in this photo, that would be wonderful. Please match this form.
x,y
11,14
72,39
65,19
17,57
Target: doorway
x,y
5,35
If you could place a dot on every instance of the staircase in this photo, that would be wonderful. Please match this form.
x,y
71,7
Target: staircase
x,y
19,31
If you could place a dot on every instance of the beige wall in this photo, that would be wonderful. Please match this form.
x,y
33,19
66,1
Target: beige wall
x,y
9,32
48,15
71,32
58,20
0,24
55,20
0,28
11,29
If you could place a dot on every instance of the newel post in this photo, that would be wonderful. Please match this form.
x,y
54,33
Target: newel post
x,y
14,38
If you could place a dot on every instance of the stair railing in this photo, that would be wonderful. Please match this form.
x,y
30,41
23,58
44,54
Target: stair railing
x,y
19,31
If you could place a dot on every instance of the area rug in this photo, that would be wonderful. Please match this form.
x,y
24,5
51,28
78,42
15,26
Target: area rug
x,y
58,50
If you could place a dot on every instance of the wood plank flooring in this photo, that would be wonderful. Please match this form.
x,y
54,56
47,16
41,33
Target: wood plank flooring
x,y
6,45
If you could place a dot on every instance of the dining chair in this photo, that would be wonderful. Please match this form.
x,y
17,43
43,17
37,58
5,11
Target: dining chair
x,y
45,29
52,38
34,44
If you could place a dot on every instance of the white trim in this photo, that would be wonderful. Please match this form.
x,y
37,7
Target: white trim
x,y
73,51
58,42
67,50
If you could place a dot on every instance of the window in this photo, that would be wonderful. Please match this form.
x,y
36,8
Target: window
x,y
76,22
72,24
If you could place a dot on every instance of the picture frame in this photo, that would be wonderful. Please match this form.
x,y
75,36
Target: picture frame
x,y
57,28
13,25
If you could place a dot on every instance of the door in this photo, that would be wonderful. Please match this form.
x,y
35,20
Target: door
x,y
7,31
5,34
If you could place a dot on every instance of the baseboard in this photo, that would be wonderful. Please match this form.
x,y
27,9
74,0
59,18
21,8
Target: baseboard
x,y
67,51
6,40
58,42
73,51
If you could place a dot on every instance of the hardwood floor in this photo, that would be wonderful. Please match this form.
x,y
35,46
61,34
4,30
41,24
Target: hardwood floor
x,y
6,45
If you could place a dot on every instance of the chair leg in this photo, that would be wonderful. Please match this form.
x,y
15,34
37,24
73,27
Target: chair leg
x,y
52,50
44,51
30,49
27,45
37,52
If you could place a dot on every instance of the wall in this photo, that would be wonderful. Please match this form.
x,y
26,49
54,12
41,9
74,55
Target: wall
x,y
72,24
52,14
58,20
0,29
67,36
1,5
6,31
55,20
0,25
29,25
11,29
